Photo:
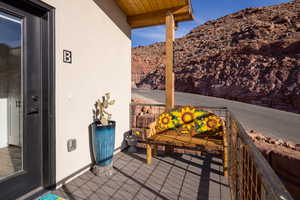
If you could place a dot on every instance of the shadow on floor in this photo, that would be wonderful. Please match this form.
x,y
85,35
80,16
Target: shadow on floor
x,y
179,176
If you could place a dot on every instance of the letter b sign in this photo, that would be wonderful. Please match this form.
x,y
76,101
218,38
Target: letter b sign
x,y
67,56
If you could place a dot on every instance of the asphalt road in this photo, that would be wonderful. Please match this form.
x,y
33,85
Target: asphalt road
x,y
269,122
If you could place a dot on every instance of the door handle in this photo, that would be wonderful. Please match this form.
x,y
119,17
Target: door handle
x,y
33,111
35,98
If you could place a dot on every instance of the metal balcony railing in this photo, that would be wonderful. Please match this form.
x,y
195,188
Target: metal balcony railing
x,y
250,175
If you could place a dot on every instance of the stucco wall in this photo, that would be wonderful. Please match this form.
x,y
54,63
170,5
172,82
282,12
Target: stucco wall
x,y
101,48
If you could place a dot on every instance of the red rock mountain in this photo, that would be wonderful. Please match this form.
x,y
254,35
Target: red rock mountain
x,y
251,56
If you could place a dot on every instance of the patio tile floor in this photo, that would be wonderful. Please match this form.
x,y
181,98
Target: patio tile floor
x,y
178,177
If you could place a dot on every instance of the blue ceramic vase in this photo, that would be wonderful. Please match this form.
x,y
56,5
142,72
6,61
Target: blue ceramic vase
x,y
104,143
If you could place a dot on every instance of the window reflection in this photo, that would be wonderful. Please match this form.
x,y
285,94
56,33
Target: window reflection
x,y
11,108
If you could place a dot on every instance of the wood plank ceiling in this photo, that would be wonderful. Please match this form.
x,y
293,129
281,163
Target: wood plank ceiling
x,y
142,13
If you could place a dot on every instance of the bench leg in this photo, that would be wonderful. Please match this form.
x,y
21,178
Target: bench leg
x,y
149,154
225,162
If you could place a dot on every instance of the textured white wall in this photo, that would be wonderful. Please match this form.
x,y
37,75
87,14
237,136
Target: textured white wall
x,y
3,123
101,48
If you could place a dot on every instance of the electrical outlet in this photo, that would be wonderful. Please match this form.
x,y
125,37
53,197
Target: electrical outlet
x,y
71,145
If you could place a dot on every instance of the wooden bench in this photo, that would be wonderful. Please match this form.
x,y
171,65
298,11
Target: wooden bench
x,y
188,127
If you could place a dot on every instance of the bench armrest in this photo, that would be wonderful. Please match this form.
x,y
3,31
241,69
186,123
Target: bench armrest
x,y
152,131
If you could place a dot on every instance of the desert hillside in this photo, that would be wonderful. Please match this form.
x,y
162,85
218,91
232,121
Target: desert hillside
x,y
251,56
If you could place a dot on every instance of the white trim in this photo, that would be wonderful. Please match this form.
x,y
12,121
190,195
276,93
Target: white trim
x,y
73,177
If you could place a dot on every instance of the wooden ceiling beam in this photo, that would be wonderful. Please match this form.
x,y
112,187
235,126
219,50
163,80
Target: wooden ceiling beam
x,y
180,13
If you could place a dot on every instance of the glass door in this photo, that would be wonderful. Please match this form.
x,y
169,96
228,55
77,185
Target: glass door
x,y
20,102
11,112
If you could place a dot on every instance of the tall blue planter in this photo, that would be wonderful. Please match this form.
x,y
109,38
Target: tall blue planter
x,y
104,143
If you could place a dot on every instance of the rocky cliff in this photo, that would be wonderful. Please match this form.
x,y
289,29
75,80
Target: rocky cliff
x,y
251,56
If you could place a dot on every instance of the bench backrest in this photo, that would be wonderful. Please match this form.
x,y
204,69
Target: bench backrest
x,y
190,121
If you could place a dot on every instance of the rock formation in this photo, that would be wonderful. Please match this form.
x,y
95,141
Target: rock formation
x,y
251,56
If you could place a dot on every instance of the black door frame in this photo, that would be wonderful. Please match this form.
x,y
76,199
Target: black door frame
x,y
47,14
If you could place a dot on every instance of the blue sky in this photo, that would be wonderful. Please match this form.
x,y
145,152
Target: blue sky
x,y
204,10
10,30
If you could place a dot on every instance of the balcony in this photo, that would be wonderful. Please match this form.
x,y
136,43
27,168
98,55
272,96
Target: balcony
x,y
186,174
169,177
